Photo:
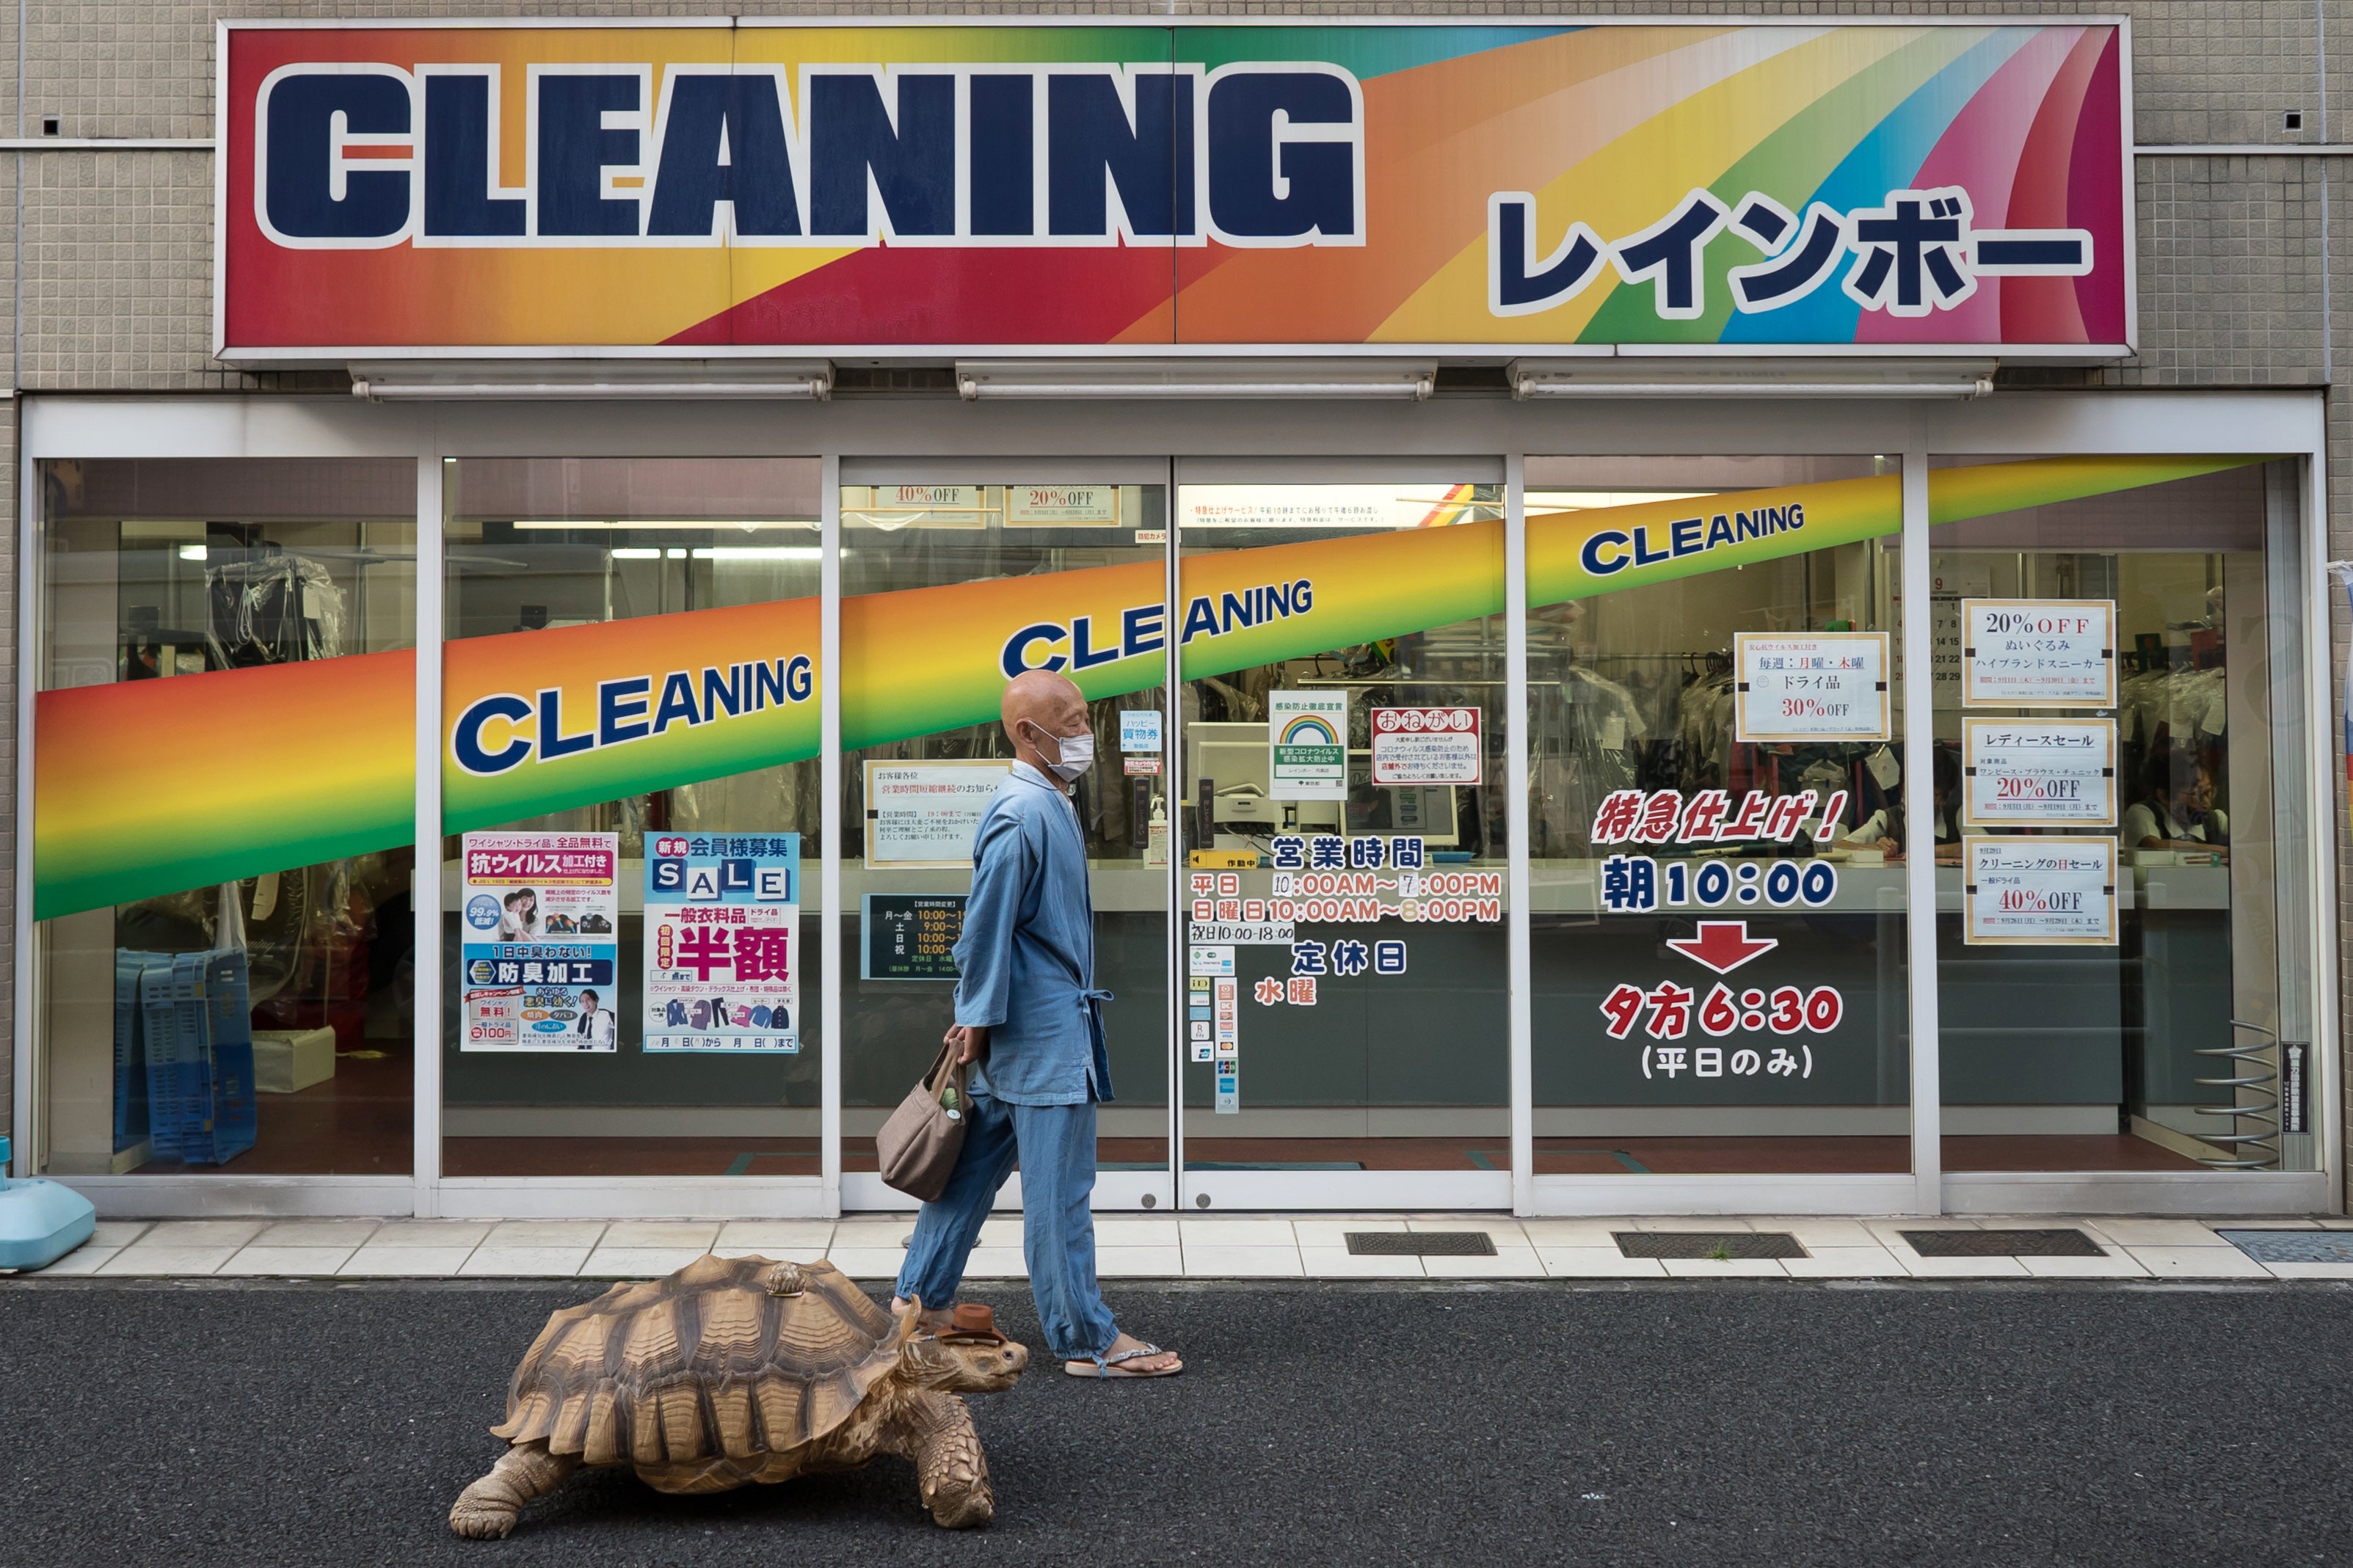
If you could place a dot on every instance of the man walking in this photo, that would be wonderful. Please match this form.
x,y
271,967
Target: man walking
x,y
1030,1020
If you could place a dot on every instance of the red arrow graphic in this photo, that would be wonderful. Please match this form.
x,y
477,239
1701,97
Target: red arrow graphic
x,y
1723,945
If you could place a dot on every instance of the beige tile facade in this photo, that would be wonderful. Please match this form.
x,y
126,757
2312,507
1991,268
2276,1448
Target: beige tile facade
x,y
108,252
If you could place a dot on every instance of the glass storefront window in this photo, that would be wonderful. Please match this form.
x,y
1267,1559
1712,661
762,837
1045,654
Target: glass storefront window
x,y
1347,851
1717,935
223,817
630,800
924,752
2121,932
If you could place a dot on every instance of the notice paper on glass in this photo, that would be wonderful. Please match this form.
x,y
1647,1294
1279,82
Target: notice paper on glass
x,y
2039,772
2039,653
1425,745
1308,733
1061,506
926,814
723,941
540,917
2044,892
1811,686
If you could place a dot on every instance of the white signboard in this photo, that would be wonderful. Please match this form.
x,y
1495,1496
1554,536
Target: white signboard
x,y
723,941
926,814
1426,745
2039,772
2039,653
1061,506
1811,686
1139,730
541,940
2040,892
1308,732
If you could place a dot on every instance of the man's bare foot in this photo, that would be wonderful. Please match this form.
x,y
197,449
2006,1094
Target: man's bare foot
x,y
1154,1363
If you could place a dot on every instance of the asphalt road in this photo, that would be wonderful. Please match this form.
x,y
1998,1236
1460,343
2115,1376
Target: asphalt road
x,y
218,1426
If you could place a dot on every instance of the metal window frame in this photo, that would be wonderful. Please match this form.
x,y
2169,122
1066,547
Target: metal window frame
x,y
1237,438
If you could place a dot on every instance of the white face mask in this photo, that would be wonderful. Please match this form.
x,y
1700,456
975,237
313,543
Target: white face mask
x,y
1077,752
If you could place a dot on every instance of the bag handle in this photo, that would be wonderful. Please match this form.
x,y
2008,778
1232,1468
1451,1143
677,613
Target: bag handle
x,y
943,1065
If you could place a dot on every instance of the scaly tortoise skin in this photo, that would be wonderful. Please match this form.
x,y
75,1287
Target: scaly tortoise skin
x,y
742,1370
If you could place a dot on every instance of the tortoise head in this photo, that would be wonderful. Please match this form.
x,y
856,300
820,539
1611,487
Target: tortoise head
x,y
969,1356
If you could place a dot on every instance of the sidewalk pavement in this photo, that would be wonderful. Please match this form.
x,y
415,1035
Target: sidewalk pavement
x,y
1260,1247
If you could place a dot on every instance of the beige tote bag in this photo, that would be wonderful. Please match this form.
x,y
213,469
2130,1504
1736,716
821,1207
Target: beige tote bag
x,y
918,1145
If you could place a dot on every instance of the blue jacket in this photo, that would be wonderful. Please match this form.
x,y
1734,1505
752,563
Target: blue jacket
x,y
1026,961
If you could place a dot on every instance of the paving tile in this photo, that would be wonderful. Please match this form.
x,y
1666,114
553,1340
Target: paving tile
x,y
867,1262
1128,1230
1845,1263
439,1232
1339,1263
796,1238
1684,1223
2116,1266
231,1233
2199,1263
144,1258
1320,1232
116,1232
1519,1262
1598,1263
580,1233
1216,1261
1545,1233
1238,1233
551,1262
639,1262
1816,1231
1139,1262
2312,1270
1502,1227
869,1234
259,1259
1725,1268
417,1262
664,1233
1961,1267
343,1233
87,1258
2154,1232
998,1230
997,1263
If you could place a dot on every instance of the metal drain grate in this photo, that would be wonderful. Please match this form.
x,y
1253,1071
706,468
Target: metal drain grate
x,y
2003,1244
2292,1245
1716,1244
1421,1244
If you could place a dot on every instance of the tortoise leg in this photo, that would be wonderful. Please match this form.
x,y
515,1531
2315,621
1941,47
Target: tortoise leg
x,y
486,1511
950,1470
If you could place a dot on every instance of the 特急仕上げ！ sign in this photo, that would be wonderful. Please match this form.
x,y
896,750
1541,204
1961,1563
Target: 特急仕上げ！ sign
x,y
403,189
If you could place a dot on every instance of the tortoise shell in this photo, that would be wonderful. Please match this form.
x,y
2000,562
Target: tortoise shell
x,y
713,1362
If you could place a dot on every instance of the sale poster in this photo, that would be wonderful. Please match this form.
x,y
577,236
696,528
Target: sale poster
x,y
722,942
540,941
2039,772
2040,892
1811,686
2039,653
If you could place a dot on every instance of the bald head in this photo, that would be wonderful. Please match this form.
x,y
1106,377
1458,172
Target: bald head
x,y
1040,704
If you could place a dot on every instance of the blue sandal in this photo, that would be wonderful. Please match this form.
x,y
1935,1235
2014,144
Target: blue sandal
x,y
1109,1366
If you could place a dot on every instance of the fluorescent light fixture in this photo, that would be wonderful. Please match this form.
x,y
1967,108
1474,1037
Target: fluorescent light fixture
x,y
496,381
675,554
1550,501
761,552
1352,379
632,554
1607,376
192,553
705,524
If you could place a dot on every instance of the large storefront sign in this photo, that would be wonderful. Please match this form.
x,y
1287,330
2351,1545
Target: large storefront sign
x,y
539,722
690,187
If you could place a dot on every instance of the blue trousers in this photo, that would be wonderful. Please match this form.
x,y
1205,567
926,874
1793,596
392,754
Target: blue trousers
x,y
1056,1147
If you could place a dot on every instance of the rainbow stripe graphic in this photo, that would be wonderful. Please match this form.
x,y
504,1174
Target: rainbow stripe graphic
x,y
1610,126
915,661
1307,730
